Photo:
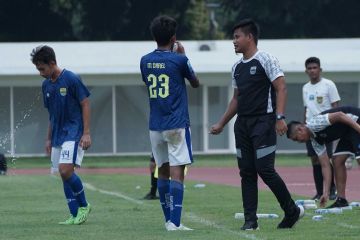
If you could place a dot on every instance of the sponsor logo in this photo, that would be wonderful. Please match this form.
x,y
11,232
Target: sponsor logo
x,y
311,97
319,99
63,92
253,70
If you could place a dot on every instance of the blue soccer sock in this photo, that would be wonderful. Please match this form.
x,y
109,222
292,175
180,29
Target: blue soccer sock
x,y
71,200
176,199
76,186
164,195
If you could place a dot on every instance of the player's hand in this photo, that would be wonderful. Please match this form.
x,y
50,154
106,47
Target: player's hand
x,y
178,48
85,141
48,147
216,129
281,127
323,200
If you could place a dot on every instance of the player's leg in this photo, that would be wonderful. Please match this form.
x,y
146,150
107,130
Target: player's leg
x,y
69,195
340,173
249,187
180,154
153,181
264,140
71,155
160,153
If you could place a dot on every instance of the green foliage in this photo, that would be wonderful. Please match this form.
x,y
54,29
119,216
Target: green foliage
x,y
93,20
296,19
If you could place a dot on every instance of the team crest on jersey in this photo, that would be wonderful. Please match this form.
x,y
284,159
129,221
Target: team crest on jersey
x,y
63,91
319,99
253,70
311,97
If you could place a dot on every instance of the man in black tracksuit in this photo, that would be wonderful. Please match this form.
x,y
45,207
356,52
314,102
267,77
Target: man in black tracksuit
x,y
259,102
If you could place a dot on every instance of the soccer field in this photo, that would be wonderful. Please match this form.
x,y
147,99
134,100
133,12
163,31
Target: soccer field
x,y
31,206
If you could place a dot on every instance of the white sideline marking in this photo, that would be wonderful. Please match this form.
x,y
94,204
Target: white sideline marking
x,y
348,226
116,194
206,222
190,215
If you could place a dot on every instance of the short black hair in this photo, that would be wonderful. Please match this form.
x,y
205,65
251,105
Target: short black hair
x,y
163,28
312,60
248,26
43,54
291,128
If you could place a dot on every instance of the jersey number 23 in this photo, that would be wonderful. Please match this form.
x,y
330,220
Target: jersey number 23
x,y
159,85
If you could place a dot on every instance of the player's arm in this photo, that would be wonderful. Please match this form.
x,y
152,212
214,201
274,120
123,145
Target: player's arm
x,y
340,117
85,141
281,95
48,140
195,83
179,48
227,116
326,171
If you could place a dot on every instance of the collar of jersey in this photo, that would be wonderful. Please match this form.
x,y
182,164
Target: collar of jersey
x,y
248,60
160,50
62,72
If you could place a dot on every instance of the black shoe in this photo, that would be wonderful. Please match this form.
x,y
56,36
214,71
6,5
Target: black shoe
x,y
332,196
316,197
150,196
289,221
250,225
339,202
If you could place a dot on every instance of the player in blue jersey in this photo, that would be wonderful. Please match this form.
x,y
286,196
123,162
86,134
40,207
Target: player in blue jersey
x,y
66,99
163,71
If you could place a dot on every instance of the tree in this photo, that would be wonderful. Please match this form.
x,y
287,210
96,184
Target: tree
x,y
296,19
22,20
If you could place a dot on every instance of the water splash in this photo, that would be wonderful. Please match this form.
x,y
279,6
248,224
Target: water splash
x,y
6,138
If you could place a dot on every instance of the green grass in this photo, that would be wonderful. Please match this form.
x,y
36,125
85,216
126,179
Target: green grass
x,y
142,161
31,206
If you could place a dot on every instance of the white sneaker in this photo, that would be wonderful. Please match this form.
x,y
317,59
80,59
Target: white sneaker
x,y
172,227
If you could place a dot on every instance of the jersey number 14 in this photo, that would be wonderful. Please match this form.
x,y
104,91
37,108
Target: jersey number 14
x,y
159,85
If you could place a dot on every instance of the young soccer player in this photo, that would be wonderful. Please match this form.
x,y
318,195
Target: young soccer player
x,y
340,123
319,94
163,71
66,99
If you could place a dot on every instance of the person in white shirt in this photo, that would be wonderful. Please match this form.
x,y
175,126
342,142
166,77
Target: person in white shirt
x,y
319,94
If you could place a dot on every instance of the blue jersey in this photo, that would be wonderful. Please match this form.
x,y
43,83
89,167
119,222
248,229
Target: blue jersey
x,y
163,73
62,99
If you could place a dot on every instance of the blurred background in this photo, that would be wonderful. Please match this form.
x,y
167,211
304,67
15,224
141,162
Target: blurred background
x,y
103,42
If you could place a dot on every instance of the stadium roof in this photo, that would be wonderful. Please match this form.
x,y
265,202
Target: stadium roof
x,y
337,55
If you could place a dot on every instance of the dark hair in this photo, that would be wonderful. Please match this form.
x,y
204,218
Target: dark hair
x,y
43,54
248,26
291,127
312,60
163,28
